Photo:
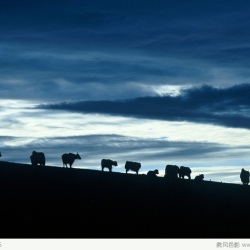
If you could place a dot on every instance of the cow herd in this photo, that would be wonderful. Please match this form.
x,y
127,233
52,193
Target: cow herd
x,y
38,158
171,171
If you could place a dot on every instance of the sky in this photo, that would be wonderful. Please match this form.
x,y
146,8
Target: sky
x,y
156,82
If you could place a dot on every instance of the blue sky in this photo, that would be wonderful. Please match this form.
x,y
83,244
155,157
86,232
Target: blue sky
x,y
158,82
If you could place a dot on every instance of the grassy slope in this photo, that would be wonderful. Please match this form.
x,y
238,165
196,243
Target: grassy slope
x,y
52,202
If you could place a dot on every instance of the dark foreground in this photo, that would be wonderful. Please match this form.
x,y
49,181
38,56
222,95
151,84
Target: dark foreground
x,y
52,202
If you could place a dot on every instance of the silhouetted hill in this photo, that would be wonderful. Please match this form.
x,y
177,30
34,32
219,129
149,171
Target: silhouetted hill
x,y
53,202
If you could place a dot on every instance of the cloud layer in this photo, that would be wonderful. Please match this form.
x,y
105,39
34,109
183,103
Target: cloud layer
x,y
227,107
88,49
93,148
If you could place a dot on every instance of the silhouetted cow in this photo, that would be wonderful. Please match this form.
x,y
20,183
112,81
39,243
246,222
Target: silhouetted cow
x,y
171,171
244,176
199,177
153,173
185,171
37,158
0,154
69,159
107,163
133,166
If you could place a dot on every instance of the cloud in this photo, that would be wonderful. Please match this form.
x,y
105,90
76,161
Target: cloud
x,y
227,107
103,46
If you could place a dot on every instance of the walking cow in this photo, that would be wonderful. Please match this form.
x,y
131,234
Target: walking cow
x,y
244,176
69,159
133,166
37,158
107,163
185,171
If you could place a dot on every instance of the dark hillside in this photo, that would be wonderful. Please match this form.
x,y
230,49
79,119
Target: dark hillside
x,y
52,202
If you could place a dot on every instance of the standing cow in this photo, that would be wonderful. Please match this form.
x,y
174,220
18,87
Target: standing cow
x,y
244,176
0,154
37,158
171,172
185,171
133,166
69,159
107,163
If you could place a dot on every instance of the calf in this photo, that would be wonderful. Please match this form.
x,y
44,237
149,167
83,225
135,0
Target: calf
x,y
107,163
199,177
153,173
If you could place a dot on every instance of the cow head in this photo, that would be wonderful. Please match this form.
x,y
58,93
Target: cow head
x,y
78,156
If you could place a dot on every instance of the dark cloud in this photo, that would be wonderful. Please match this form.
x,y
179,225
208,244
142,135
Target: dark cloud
x,y
116,43
227,107
156,28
